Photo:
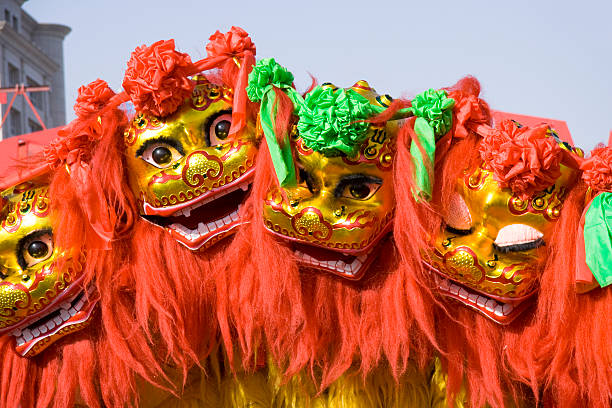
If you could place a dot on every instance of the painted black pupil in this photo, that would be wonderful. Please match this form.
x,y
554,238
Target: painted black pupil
x,y
360,191
38,249
162,155
222,129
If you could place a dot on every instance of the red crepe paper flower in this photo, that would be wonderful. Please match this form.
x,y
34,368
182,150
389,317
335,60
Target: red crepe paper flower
x,y
67,149
73,146
157,78
92,98
523,159
598,169
227,52
234,43
469,108
54,153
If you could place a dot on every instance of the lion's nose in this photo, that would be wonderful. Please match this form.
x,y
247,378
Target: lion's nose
x,y
310,222
466,266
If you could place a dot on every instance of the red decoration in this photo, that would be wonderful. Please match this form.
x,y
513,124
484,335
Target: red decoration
x,y
67,149
469,109
72,145
234,53
234,43
524,159
157,78
598,169
92,98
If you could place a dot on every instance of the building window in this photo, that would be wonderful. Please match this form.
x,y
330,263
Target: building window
x,y
15,121
15,23
7,15
34,126
13,75
35,97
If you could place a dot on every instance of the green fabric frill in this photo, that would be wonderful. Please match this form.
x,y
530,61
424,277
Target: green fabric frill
x,y
266,76
332,120
436,108
434,112
598,238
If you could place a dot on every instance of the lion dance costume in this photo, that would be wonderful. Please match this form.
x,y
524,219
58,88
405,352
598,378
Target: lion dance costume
x,y
211,237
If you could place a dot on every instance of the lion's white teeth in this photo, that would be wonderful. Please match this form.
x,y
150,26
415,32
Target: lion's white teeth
x,y
338,266
64,314
478,301
27,335
205,229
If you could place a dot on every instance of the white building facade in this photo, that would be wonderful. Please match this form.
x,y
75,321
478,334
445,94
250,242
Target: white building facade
x,y
31,54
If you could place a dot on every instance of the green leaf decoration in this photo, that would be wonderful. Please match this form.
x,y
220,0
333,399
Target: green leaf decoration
x,y
331,120
427,141
436,108
598,238
267,73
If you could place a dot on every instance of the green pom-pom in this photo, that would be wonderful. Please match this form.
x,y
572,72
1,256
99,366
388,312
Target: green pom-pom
x,y
436,108
329,121
266,74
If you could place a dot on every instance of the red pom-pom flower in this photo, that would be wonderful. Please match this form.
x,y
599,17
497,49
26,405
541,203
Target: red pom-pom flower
x,y
469,109
157,78
92,97
524,159
597,169
67,149
234,53
234,43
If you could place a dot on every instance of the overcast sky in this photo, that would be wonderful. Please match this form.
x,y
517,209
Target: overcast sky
x,y
542,58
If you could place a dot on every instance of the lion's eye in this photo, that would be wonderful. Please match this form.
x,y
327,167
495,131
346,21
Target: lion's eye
x,y
360,190
219,129
357,187
518,238
222,129
161,155
36,248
